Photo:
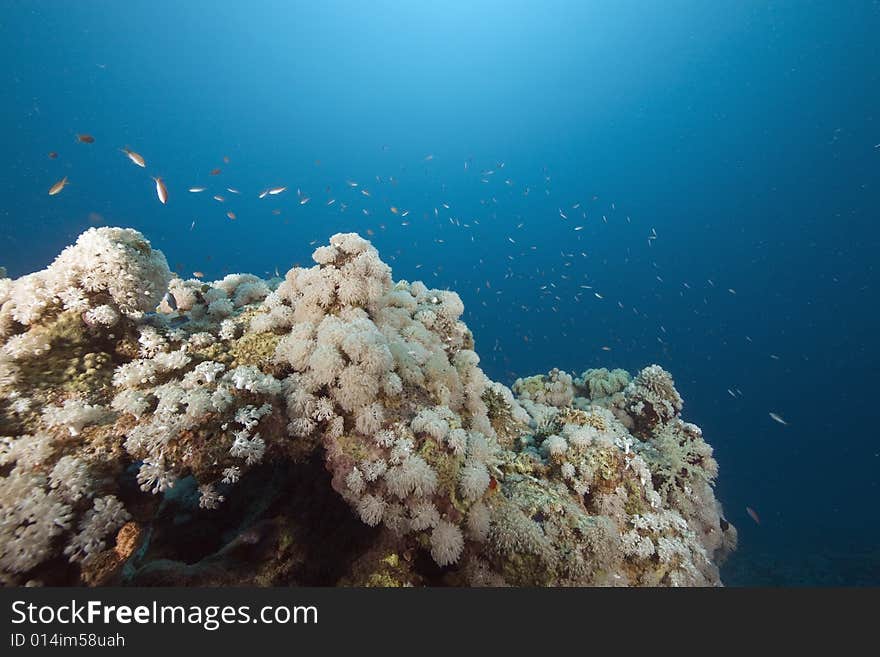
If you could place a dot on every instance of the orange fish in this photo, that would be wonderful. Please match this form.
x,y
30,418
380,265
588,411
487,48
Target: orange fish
x,y
53,155
161,190
57,187
231,215
198,274
85,139
215,172
134,157
753,515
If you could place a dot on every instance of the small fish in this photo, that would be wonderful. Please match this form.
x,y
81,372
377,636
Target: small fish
x,y
196,190
776,418
85,139
198,274
219,199
134,157
753,515
53,155
277,190
57,187
161,191
232,190
263,193
215,172
170,300
225,159
304,200
231,215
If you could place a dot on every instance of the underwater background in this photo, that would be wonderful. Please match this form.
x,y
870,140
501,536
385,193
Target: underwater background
x,y
605,184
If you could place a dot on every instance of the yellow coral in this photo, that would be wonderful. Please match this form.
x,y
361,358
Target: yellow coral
x,y
254,349
581,418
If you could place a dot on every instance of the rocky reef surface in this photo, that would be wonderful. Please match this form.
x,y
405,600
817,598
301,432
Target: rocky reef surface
x,y
329,428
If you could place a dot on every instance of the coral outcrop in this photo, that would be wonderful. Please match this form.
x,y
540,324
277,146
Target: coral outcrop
x,y
332,427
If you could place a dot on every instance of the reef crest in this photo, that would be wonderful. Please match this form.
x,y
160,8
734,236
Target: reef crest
x,y
332,427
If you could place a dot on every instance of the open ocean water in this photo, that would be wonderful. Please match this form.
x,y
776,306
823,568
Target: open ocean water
x,y
605,184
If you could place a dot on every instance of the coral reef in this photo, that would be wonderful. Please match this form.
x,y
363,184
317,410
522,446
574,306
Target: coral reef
x,y
332,427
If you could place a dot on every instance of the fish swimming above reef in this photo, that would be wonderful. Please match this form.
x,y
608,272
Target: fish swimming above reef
x,y
161,190
134,157
57,187
777,418
753,515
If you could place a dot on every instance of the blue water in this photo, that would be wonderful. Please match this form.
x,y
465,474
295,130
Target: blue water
x,y
744,135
